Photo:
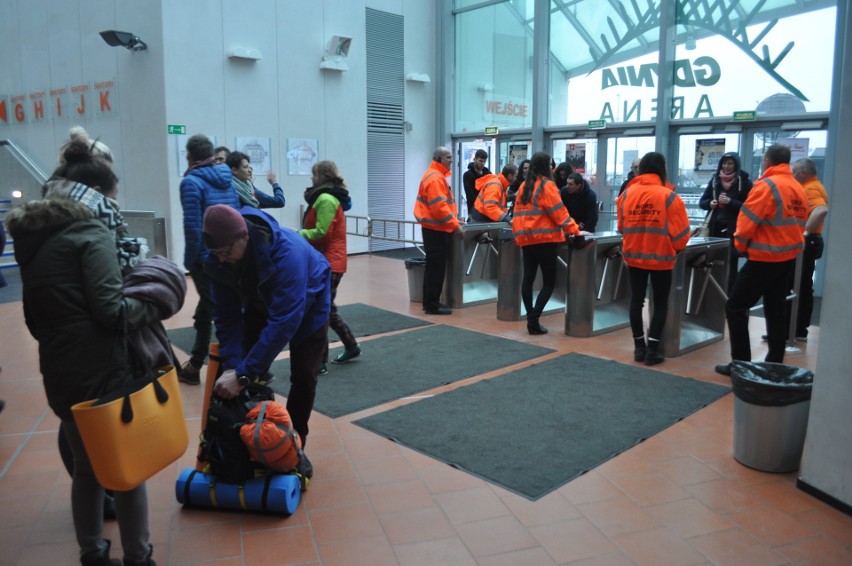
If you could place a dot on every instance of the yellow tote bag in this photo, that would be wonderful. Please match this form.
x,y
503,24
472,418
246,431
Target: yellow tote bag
x,y
136,433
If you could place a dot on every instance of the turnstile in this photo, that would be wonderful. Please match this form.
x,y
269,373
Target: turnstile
x,y
510,273
472,265
697,299
598,288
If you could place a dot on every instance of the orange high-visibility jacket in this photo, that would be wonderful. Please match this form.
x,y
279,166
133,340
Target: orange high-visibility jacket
x,y
544,219
653,220
772,219
491,201
435,207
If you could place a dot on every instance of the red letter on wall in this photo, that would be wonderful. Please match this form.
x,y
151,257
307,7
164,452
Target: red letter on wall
x,y
104,96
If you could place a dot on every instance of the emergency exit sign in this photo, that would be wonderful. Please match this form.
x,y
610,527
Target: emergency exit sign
x,y
177,129
597,124
745,116
492,130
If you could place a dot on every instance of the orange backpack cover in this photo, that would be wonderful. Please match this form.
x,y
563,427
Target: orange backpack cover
x,y
269,436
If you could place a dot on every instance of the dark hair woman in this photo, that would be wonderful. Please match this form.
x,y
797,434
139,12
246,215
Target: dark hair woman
x,y
523,171
653,220
539,224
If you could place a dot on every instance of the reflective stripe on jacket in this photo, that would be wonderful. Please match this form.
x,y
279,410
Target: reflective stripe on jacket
x,y
653,220
773,217
544,219
491,201
435,207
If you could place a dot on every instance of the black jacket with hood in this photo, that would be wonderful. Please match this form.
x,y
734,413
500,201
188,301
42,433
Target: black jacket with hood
x,y
73,300
723,223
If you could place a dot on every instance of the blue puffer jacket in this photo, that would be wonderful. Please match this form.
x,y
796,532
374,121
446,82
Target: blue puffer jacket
x,y
293,286
202,187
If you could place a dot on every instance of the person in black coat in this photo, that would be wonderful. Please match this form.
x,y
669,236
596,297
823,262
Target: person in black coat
x,y
581,202
475,170
724,197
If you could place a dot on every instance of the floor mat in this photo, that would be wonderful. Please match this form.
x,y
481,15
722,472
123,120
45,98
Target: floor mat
x,y
535,429
404,364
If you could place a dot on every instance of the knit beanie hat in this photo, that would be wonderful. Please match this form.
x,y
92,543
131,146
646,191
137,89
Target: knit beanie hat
x,y
222,226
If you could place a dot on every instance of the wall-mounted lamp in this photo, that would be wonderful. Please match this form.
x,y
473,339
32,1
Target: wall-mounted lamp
x,y
418,78
690,40
123,39
336,52
247,53
485,87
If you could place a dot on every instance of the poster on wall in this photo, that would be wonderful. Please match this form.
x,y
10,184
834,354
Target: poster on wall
x,y
181,140
469,149
799,147
258,150
575,156
708,152
301,155
518,152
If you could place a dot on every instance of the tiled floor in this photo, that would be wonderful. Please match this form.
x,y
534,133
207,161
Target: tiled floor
x,y
677,498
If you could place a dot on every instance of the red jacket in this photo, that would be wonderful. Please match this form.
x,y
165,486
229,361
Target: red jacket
x,y
435,207
772,219
653,220
544,218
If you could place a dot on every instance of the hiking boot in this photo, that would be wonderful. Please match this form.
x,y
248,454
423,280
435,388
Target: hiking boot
x,y
639,349
147,561
100,557
347,355
189,374
305,471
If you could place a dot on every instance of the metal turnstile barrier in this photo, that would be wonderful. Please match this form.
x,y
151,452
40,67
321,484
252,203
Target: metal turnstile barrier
x,y
472,265
510,273
598,288
697,298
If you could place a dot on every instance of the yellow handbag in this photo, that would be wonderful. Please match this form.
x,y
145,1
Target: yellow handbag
x,y
132,434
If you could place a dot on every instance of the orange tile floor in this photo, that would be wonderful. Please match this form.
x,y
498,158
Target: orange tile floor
x,y
677,498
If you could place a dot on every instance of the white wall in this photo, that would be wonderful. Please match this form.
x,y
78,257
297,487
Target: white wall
x,y
185,77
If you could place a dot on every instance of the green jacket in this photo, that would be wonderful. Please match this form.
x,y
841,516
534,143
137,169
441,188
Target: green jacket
x,y
73,299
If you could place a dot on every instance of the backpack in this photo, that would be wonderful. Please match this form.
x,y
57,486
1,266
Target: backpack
x,y
221,446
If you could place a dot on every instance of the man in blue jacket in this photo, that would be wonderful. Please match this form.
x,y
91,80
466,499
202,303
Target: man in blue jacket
x,y
270,287
205,183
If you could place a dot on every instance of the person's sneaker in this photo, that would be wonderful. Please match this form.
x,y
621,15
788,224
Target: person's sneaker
x,y
347,355
724,369
323,369
266,379
189,374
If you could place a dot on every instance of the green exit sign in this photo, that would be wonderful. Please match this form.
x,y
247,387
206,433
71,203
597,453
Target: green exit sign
x,y
492,131
597,124
177,129
745,116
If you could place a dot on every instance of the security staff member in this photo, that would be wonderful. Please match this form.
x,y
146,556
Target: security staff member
x,y
436,211
490,205
769,234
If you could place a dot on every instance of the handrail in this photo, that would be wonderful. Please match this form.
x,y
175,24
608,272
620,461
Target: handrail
x,y
25,161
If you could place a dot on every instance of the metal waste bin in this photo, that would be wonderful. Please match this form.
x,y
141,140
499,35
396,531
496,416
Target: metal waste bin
x,y
416,268
771,407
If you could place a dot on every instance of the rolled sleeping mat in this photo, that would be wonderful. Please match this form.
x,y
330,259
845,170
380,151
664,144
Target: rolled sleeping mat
x,y
274,493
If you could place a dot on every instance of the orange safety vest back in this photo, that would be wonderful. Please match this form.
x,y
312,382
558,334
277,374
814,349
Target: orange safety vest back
x,y
435,207
653,220
772,219
491,201
544,218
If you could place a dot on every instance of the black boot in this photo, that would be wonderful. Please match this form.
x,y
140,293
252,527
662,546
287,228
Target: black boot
x,y
639,348
653,356
101,558
147,561
533,327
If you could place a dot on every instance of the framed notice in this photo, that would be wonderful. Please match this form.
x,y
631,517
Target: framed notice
x,y
575,156
258,150
301,155
518,152
708,152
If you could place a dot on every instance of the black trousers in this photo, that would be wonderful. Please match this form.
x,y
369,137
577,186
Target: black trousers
x,y
437,247
661,284
537,256
203,316
814,247
757,279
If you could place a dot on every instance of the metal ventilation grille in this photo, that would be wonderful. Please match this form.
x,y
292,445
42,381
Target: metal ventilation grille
x,y
385,117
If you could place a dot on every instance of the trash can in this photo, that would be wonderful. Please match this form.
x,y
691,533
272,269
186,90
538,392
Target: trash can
x,y
771,408
416,268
